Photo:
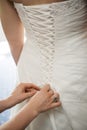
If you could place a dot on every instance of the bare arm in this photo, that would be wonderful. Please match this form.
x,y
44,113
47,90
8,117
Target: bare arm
x,y
12,27
42,101
21,92
21,120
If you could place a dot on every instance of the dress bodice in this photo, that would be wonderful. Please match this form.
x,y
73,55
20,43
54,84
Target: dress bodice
x,y
65,18
55,52
56,47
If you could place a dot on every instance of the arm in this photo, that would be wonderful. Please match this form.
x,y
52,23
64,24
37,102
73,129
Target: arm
x,y
21,92
12,27
40,102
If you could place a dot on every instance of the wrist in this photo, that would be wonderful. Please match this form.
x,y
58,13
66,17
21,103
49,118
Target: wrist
x,y
10,102
33,108
6,103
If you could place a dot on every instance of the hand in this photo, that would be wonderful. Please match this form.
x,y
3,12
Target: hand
x,y
44,100
22,92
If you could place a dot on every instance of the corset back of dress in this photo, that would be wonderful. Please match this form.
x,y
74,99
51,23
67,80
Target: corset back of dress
x,y
55,52
55,49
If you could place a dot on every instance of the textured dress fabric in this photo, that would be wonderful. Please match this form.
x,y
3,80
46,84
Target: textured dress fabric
x,y
55,52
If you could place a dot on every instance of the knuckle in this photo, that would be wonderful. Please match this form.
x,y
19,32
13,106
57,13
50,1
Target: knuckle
x,y
56,94
51,92
21,83
47,86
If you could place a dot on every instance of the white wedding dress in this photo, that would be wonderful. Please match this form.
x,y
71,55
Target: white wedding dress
x,y
55,52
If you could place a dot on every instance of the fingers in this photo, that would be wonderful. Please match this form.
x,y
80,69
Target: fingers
x,y
46,87
28,90
29,94
55,97
55,100
55,104
44,99
50,93
51,98
29,86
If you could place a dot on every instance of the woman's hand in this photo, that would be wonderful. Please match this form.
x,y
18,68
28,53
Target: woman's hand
x,y
23,91
44,100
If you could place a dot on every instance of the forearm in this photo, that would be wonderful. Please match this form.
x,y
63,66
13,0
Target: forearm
x,y
40,102
3,105
20,93
22,119
7,103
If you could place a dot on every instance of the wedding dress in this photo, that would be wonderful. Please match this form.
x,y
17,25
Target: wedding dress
x,y
55,52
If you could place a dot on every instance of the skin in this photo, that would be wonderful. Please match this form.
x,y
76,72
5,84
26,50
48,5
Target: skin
x,y
21,92
41,101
